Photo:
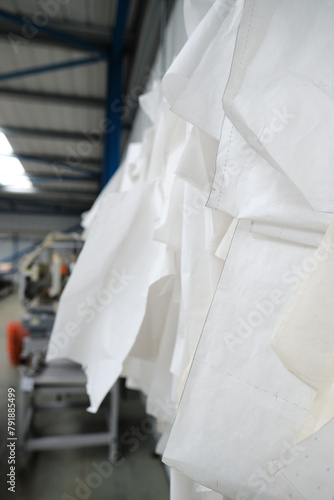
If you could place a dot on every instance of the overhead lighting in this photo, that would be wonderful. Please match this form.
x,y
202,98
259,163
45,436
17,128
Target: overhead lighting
x,y
12,173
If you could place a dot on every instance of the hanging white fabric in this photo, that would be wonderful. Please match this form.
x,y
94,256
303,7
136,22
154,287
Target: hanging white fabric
x,y
280,91
240,404
308,474
119,262
305,341
195,82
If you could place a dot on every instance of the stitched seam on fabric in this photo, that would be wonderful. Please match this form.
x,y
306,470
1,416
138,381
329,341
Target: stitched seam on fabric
x,y
224,170
253,386
237,81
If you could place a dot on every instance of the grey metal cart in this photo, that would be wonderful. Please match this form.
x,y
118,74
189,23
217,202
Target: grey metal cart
x,y
60,378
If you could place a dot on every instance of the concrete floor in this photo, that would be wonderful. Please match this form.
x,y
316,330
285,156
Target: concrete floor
x,y
75,474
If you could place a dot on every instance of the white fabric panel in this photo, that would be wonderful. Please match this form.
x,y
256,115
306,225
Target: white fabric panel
x,y
247,137
309,473
246,185
199,273
274,167
197,163
240,404
322,410
160,401
280,91
111,277
194,83
297,235
304,341
184,488
194,11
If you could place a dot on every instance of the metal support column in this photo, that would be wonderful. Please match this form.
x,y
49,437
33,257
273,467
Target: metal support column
x,y
112,133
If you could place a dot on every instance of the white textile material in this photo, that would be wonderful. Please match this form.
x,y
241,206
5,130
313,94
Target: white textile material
x,y
208,244
200,72
241,406
151,225
93,326
322,410
251,398
280,91
183,488
305,341
309,473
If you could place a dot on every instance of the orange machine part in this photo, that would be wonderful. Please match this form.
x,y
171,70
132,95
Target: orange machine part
x,y
15,334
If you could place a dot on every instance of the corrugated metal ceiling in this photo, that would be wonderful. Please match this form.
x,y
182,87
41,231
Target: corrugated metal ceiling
x,y
94,13
54,119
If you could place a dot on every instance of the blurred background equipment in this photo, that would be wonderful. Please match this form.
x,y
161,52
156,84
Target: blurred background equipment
x,y
43,275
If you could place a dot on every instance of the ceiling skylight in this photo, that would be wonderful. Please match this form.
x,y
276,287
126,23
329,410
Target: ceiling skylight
x,y
12,173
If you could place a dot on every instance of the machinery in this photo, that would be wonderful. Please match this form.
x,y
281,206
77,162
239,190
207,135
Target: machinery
x,y
43,276
6,284
59,384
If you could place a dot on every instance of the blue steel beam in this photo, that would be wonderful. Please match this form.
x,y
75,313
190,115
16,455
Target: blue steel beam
x,y
119,32
54,33
17,255
112,140
50,67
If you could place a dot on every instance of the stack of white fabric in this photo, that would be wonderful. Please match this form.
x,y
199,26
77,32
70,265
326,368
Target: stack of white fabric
x,y
208,263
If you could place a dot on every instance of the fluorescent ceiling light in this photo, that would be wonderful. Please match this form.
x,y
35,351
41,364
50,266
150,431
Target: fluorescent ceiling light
x,y
12,172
